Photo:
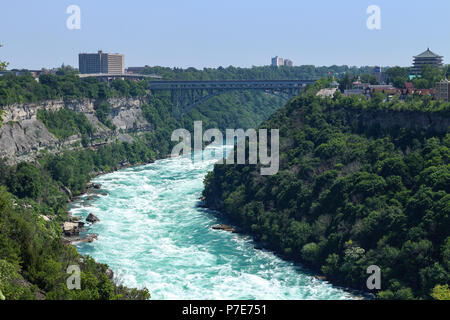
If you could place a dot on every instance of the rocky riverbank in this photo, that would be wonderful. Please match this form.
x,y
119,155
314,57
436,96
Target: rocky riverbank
x,y
23,136
73,228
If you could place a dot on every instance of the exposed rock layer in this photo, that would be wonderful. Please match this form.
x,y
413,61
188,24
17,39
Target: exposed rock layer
x,y
23,136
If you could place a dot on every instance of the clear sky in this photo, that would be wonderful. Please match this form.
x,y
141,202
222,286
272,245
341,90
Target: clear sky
x,y
212,33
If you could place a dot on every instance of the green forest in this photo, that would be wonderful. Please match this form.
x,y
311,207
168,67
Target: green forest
x,y
346,196
350,194
33,259
65,123
257,73
65,83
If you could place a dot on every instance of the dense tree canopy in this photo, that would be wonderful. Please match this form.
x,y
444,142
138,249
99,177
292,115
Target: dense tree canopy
x,y
33,259
350,194
65,123
255,73
65,84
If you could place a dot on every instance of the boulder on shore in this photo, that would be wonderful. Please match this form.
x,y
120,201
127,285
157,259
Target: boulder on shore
x,y
91,185
323,278
92,218
110,274
91,238
72,228
76,239
224,227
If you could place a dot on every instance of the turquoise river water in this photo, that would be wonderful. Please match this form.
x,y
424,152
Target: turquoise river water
x,y
152,233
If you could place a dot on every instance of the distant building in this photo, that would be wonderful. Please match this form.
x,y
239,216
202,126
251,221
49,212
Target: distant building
x,y
358,85
443,90
409,86
377,72
277,61
288,63
380,87
367,89
34,73
426,58
354,92
326,93
138,70
110,63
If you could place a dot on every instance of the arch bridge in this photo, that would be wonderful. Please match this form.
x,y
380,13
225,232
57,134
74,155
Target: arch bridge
x,y
186,95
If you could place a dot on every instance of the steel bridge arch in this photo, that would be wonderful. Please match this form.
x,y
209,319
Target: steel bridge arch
x,y
185,95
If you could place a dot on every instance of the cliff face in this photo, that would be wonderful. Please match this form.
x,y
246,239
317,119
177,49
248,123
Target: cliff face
x,y
23,136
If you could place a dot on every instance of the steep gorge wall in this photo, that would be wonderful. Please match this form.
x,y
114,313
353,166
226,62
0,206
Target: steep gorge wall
x,y
23,136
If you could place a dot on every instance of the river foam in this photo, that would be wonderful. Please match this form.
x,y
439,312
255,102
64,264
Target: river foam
x,y
152,234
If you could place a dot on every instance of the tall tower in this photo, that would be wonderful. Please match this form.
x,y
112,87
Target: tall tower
x,y
426,58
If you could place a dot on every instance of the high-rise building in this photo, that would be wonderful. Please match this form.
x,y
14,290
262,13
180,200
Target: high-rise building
x,y
110,63
89,63
426,58
443,90
277,61
115,63
288,63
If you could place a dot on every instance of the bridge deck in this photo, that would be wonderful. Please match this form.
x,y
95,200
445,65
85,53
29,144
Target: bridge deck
x,y
227,84
119,75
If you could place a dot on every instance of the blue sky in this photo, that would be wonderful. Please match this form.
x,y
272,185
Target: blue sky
x,y
212,33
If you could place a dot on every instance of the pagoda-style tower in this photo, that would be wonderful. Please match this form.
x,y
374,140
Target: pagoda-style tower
x,y
426,58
